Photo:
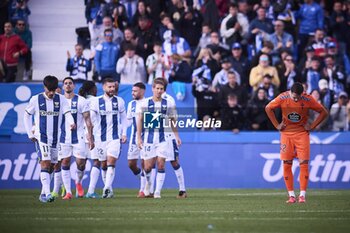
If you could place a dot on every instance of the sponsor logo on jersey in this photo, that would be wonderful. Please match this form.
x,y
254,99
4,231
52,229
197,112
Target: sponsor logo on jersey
x,y
294,117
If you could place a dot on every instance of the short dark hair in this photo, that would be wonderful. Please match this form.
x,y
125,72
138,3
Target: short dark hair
x,y
129,46
86,88
233,5
267,76
70,78
108,30
50,82
140,85
297,88
107,80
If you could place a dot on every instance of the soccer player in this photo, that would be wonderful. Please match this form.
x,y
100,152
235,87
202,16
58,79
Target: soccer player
x,y
72,142
295,141
108,112
152,113
173,153
48,109
138,93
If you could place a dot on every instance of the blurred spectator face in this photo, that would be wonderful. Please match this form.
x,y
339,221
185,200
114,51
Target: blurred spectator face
x,y
265,3
267,82
214,38
316,95
237,52
166,21
329,62
108,36
8,28
173,39
279,26
21,25
315,65
226,65
232,101
141,8
128,34
319,35
142,24
343,100
261,13
288,60
233,11
78,50
310,54
231,78
107,22
175,59
243,7
261,94
157,49
130,53
264,60
332,50
338,7
206,29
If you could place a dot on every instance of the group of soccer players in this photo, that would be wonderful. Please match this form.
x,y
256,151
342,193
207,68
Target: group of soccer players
x,y
85,126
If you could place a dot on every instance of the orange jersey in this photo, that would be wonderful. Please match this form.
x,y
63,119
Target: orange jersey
x,y
295,114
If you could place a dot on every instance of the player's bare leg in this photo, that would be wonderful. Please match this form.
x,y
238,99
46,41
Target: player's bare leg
x,y
304,179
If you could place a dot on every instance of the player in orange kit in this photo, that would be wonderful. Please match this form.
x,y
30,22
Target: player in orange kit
x,y
295,141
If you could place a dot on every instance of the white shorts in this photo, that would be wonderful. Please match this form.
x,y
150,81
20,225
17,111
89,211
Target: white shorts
x,y
150,151
67,150
91,154
133,152
46,152
110,148
173,150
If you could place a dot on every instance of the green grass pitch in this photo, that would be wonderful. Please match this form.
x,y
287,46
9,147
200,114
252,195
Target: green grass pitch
x,y
229,210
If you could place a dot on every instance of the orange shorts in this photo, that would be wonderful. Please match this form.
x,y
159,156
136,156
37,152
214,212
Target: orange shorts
x,y
295,146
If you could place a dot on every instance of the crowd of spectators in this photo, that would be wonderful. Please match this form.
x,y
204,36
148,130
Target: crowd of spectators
x,y
238,54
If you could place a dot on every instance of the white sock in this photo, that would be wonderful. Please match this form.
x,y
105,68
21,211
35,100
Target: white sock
x,y
79,176
180,178
142,181
94,174
57,182
66,178
45,181
303,193
291,193
42,190
153,178
103,173
110,177
160,181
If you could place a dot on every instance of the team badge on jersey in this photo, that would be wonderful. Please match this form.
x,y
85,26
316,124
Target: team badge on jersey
x,y
294,117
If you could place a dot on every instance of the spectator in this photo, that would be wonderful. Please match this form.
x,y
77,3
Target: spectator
x,y
78,66
334,74
93,12
313,114
232,87
20,11
131,38
180,70
118,14
260,28
312,75
240,64
4,14
266,49
221,78
218,49
222,7
146,36
338,24
205,65
204,40
190,27
341,58
319,43
245,9
157,64
141,11
326,95
131,7
165,25
106,57
305,61
175,9
288,74
131,67
210,14
311,18
280,40
97,32
176,45
258,72
26,35
206,100
234,27
339,113
11,48
256,118
231,114
269,87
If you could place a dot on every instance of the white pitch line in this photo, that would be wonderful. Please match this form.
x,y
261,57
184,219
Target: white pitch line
x,y
282,193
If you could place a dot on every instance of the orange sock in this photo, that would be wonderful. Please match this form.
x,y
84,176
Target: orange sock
x,y
288,176
304,176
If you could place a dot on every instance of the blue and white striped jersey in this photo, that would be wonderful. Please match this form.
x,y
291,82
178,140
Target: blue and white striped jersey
x,y
48,114
149,107
110,114
78,105
169,133
131,116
